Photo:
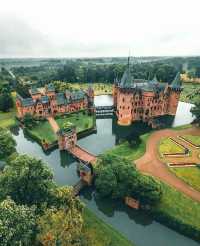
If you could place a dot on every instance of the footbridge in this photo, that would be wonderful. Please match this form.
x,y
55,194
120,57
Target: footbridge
x,y
82,155
104,110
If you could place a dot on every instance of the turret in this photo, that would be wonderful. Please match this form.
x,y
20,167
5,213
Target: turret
x,y
175,89
67,137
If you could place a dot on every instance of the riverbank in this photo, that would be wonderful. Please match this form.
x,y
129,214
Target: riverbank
x,y
98,233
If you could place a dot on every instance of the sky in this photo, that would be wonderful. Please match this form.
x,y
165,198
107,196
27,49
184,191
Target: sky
x,y
99,28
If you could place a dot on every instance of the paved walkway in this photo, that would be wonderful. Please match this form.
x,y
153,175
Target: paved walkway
x,y
53,124
149,163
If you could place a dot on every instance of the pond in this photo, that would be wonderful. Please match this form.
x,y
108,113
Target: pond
x,y
135,225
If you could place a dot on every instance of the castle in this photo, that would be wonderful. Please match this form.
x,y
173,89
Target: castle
x,y
144,100
44,102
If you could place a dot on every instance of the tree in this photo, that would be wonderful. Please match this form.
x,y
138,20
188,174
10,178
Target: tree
x,y
148,191
196,110
17,224
6,101
7,143
28,120
62,223
118,177
27,180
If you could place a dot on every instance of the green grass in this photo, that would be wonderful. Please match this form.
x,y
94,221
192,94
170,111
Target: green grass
x,y
7,119
193,139
43,131
182,127
179,212
80,120
167,146
191,175
132,153
98,233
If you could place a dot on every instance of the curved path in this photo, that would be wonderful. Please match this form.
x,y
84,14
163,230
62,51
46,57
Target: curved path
x,y
149,163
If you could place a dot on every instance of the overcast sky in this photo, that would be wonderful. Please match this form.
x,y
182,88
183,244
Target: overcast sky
x,y
84,28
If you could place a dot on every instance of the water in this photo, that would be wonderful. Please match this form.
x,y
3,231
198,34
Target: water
x,y
135,225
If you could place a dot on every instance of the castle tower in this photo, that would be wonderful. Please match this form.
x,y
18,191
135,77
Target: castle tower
x,y
90,94
174,94
67,137
50,91
115,90
125,98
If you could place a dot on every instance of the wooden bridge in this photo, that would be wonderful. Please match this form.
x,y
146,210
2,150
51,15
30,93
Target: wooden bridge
x,y
82,154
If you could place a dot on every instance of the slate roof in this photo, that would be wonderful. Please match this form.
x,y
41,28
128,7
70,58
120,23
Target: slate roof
x,y
60,98
27,102
34,90
44,99
50,87
176,83
128,82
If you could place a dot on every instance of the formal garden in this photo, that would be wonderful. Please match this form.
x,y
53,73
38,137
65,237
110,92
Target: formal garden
x,y
168,146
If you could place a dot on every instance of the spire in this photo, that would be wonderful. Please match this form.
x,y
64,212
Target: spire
x,y
127,77
176,83
154,80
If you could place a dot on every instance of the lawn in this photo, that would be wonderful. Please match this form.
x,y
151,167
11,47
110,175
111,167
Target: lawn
x,y
7,119
167,146
131,152
43,131
179,212
190,175
193,139
98,233
81,120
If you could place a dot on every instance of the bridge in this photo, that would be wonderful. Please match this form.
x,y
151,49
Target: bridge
x,y
104,110
82,154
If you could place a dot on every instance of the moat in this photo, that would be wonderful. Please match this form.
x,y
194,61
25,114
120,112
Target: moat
x,y
135,225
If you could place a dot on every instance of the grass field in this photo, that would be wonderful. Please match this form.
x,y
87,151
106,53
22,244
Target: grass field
x,y
175,208
98,233
7,119
167,146
80,120
43,131
193,139
190,175
132,153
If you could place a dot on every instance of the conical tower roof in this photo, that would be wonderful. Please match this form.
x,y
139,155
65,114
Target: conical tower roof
x,y
154,80
127,78
176,83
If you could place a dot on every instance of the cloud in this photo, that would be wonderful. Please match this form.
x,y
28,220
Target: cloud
x,y
66,28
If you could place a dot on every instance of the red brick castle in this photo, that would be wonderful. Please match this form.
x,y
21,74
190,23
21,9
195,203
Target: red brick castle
x,y
44,102
144,100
